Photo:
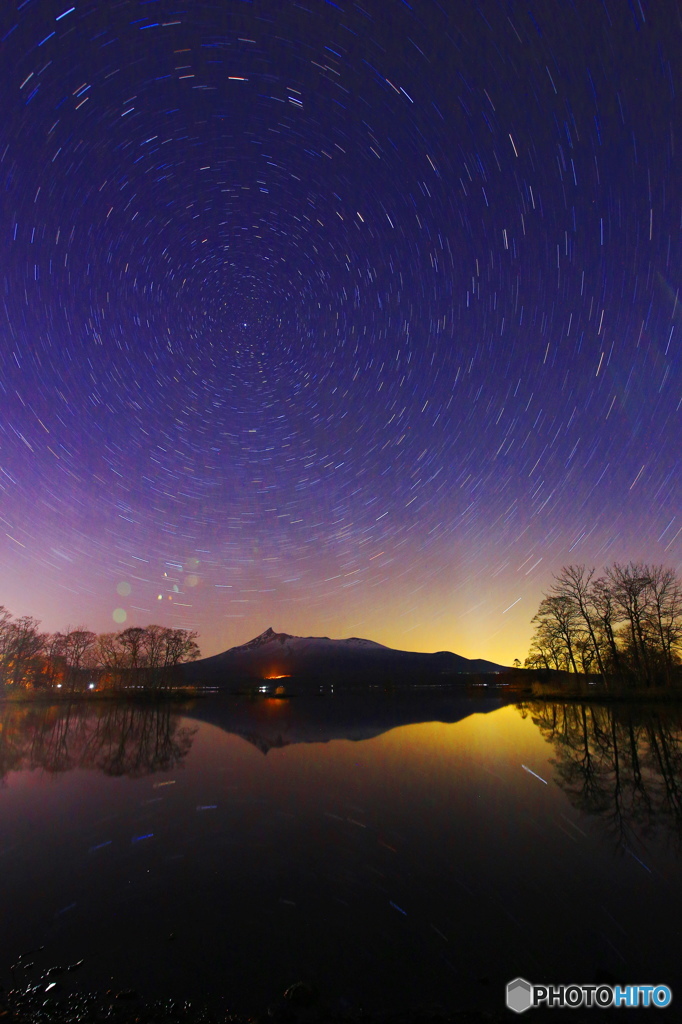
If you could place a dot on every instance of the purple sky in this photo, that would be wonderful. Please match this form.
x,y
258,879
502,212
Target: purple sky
x,y
349,319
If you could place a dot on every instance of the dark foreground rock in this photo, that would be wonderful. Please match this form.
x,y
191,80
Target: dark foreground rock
x,y
300,1004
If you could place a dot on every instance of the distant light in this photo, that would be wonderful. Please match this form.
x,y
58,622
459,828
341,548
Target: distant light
x,y
91,686
59,686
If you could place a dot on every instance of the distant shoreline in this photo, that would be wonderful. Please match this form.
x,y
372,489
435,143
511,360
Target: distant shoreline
x,y
519,685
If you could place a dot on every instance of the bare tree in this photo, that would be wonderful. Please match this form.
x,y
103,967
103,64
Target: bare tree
x,y
575,583
154,643
628,623
546,650
131,640
149,655
109,652
5,642
22,643
607,619
631,589
55,659
558,622
181,645
665,616
77,644
146,654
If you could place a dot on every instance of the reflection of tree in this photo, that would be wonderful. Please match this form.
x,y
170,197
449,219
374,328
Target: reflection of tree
x,y
117,739
621,763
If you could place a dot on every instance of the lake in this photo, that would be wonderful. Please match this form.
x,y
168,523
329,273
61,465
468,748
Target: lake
x,y
394,850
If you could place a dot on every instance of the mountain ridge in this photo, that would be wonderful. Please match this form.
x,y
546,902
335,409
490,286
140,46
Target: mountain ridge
x,y
278,655
270,636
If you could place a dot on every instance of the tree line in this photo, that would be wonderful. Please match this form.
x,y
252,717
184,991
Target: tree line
x,y
625,625
78,658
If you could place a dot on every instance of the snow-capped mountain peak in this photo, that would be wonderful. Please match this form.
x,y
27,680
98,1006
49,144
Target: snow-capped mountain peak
x,y
267,637
274,655
311,643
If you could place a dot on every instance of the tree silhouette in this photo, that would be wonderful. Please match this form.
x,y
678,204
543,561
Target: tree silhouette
x,y
626,624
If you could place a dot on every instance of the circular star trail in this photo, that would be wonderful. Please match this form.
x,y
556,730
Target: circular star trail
x,y
348,318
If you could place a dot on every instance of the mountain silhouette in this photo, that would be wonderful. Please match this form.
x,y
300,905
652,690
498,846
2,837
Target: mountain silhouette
x,y
273,658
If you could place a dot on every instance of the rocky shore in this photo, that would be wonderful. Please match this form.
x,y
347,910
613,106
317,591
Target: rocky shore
x,y
43,1002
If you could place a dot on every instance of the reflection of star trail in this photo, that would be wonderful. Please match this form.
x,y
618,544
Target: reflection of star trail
x,y
534,774
348,319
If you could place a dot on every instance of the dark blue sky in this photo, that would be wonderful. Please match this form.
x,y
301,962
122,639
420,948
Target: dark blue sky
x,y
341,318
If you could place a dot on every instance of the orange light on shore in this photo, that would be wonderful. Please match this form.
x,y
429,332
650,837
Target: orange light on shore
x,y
276,677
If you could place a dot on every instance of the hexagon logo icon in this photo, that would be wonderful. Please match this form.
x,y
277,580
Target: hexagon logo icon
x,y
519,995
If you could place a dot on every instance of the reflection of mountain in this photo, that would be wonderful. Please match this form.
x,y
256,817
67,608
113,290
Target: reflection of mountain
x,y
272,655
120,738
114,738
268,723
620,763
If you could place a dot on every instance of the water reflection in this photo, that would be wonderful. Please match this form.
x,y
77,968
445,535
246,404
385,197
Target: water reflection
x,y
311,839
119,738
273,723
113,738
620,763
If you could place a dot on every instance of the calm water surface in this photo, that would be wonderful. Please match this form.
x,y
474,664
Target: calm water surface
x,y
394,850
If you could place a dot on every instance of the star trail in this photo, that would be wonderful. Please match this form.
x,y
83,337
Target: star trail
x,y
349,319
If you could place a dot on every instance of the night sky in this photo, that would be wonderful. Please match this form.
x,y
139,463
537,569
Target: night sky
x,y
348,319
